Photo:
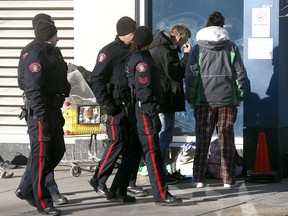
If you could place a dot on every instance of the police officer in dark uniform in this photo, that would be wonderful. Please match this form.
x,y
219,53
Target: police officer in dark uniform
x,y
144,80
43,78
109,84
51,184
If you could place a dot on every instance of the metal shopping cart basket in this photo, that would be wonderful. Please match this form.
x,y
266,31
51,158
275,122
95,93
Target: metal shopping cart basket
x,y
83,117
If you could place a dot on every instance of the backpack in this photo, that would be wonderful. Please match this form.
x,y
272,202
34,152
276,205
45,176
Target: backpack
x,y
214,161
19,159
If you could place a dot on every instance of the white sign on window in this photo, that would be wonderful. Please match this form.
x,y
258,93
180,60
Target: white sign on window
x,y
260,48
261,22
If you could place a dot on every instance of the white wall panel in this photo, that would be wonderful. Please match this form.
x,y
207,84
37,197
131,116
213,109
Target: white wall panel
x,y
15,32
95,26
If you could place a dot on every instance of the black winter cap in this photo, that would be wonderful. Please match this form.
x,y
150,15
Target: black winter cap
x,y
125,25
143,36
44,30
41,16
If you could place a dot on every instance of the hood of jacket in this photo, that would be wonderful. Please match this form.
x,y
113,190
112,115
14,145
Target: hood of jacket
x,y
163,38
212,37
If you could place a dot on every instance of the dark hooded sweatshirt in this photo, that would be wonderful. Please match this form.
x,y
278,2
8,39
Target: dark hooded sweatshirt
x,y
165,54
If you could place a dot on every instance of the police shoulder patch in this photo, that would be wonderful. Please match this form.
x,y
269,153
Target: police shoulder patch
x,y
141,67
143,80
101,57
35,67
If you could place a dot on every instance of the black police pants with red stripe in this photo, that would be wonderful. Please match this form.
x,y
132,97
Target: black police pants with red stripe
x,y
152,155
131,156
47,149
49,182
119,134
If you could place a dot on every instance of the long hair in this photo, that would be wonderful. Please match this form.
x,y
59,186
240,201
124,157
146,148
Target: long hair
x,y
135,47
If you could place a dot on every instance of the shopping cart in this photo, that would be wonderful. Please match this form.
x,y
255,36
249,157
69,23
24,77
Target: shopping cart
x,y
83,117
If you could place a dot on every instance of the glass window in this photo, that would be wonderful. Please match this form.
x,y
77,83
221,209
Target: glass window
x,y
194,14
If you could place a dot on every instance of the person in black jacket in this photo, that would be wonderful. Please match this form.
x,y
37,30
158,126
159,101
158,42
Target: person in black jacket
x,y
144,81
165,50
42,75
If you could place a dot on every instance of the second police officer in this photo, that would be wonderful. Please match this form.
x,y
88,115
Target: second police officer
x,y
144,81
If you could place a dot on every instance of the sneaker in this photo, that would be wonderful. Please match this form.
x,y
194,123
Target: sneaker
x,y
137,191
102,190
112,196
4,173
230,186
178,175
198,184
59,199
170,180
169,201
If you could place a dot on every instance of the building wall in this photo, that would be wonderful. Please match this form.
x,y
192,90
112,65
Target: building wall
x,y
15,32
95,26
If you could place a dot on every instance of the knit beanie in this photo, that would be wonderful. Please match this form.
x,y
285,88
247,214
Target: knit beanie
x,y
41,16
125,25
143,36
44,30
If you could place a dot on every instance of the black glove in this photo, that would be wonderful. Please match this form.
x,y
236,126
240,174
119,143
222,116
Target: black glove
x,y
110,108
23,113
156,123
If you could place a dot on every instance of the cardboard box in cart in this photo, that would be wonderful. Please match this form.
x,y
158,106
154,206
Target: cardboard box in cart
x,y
82,116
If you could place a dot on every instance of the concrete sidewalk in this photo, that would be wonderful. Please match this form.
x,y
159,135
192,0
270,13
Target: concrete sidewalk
x,y
247,199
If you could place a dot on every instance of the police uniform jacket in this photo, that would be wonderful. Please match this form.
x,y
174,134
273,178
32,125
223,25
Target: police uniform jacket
x,y
144,76
108,78
42,75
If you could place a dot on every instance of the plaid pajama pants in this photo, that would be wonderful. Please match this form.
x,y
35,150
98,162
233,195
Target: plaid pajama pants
x,y
206,119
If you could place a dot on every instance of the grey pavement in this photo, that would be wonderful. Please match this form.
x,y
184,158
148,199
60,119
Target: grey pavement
x,y
246,199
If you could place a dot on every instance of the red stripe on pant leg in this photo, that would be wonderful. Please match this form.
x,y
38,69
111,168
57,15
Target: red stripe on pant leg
x,y
110,148
144,117
40,157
